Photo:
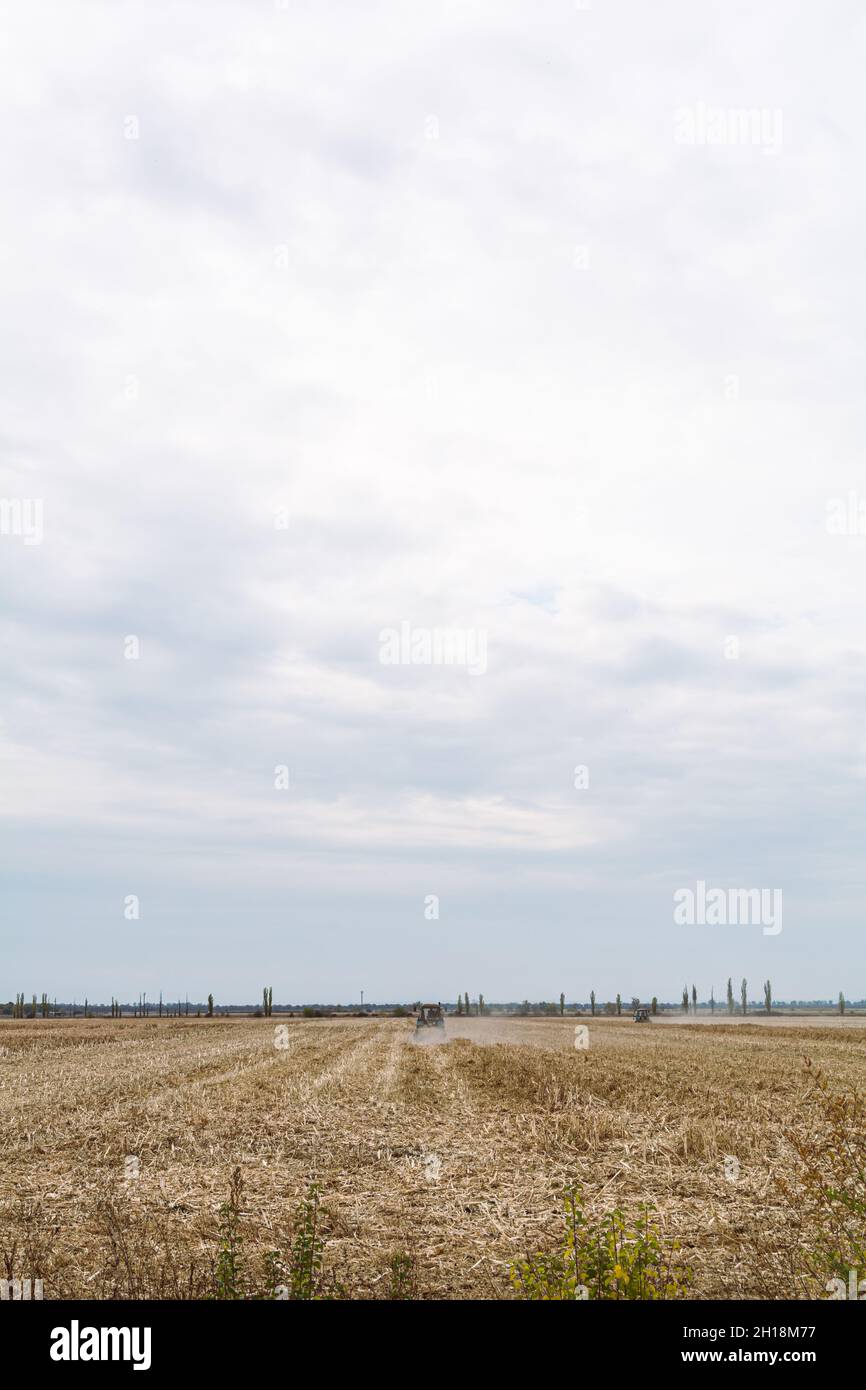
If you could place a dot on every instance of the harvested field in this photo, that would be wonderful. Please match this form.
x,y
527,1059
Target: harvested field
x,y
456,1153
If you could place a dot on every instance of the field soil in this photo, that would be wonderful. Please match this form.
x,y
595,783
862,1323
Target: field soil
x,y
118,1140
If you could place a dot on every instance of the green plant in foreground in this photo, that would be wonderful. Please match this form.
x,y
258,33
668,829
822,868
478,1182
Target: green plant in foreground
x,y
305,1277
402,1277
307,1248
228,1275
826,1194
299,1275
602,1259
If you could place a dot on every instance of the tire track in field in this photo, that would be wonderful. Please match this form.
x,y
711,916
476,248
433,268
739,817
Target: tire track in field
x,y
490,1181
387,1080
426,1185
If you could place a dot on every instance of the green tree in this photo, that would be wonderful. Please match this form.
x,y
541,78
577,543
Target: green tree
x,y
694,999
730,996
744,997
619,1005
209,1006
768,997
592,1002
685,999
561,1005
841,1003
655,1005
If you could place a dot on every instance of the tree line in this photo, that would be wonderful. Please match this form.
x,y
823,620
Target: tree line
x,y
466,1007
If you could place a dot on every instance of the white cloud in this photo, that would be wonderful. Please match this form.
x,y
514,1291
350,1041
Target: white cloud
x,y
285,294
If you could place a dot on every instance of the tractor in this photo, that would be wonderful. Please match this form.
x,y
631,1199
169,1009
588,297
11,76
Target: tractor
x,y
430,1016
641,1015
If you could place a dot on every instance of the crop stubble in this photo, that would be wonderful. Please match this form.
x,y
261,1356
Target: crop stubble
x,y
455,1152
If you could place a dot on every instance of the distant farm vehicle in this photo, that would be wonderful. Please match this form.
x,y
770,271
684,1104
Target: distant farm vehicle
x,y
430,1016
641,1015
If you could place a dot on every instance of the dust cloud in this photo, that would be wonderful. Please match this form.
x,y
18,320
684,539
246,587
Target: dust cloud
x,y
477,1030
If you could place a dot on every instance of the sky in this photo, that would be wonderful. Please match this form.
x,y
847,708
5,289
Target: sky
x,y
534,325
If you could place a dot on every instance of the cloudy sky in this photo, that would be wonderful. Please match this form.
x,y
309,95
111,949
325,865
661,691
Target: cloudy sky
x,y
489,317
